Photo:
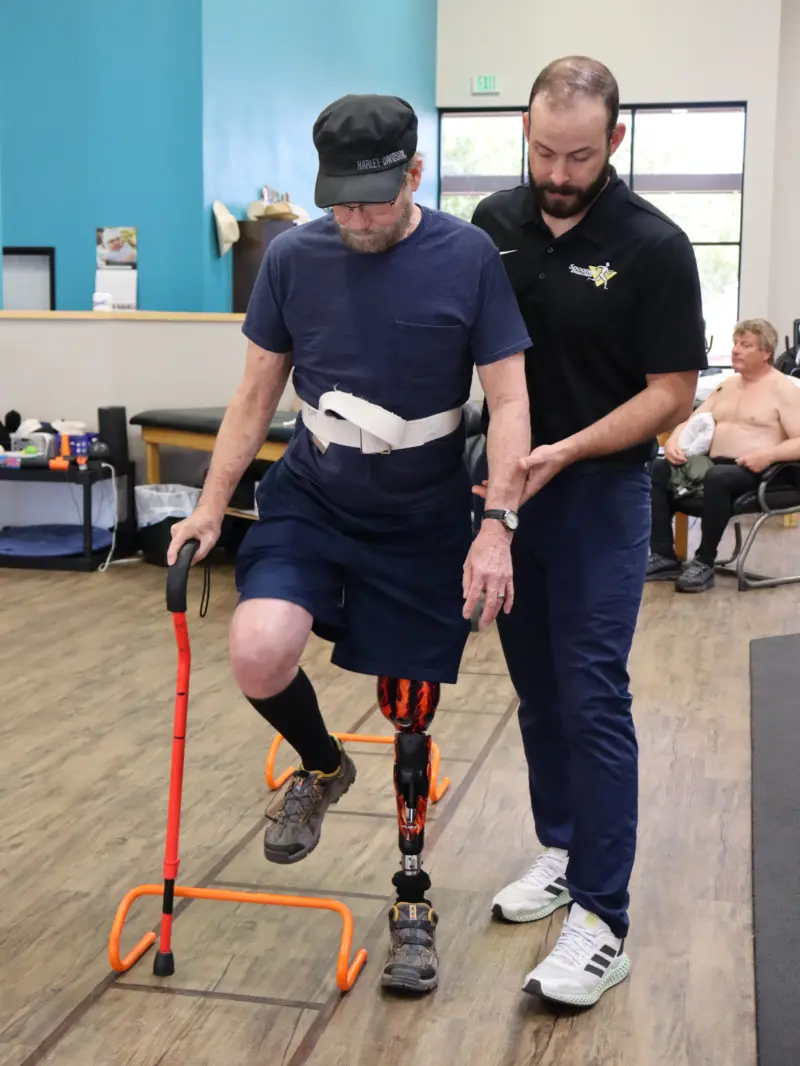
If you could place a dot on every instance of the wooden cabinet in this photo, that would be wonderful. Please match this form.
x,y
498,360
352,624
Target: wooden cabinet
x,y
254,238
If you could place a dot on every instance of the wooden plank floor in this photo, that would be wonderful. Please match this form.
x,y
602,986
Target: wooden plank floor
x,y
88,669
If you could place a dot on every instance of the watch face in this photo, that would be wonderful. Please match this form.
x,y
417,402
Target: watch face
x,y
512,519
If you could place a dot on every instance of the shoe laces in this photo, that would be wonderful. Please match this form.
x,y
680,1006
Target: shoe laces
x,y
300,799
574,944
413,938
546,865
696,566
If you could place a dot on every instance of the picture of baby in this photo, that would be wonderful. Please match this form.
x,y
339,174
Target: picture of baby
x,y
116,246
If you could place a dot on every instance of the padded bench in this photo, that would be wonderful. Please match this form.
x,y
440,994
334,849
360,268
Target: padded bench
x,y
196,428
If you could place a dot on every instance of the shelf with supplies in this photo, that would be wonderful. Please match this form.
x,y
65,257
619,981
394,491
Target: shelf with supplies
x,y
85,475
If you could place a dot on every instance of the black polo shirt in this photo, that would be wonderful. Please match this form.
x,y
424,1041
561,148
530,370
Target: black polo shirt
x,y
616,298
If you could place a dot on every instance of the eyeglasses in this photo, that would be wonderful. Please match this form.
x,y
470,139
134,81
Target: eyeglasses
x,y
369,210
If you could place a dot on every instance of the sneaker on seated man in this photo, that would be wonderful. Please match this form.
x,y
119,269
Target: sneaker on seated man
x,y
756,412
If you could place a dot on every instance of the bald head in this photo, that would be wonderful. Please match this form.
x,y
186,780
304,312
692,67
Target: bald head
x,y
571,79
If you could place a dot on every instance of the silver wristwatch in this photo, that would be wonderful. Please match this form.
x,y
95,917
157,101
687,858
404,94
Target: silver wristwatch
x,y
510,519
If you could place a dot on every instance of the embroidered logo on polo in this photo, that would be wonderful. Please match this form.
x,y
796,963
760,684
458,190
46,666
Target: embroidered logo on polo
x,y
600,275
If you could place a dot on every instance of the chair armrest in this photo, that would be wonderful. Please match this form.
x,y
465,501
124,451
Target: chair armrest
x,y
767,474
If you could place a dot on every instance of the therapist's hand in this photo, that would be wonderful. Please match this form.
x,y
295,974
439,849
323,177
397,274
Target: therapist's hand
x,y
488,572
203,525
541,466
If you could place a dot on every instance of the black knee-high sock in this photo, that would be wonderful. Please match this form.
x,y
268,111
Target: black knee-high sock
x,y
295,714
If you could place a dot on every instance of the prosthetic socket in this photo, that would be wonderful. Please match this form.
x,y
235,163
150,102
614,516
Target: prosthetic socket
x,y
410,706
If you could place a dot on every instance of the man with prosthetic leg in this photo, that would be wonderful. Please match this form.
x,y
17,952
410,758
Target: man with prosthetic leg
x,y
381,311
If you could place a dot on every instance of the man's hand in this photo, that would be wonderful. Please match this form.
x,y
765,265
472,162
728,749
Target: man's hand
x,y
756,461
673,454
488,570
541,466
202,525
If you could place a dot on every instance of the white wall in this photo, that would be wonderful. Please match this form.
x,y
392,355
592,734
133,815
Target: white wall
x,y
686,51
66,368
784,271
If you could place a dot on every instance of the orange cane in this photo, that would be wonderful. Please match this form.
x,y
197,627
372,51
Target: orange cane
x,y
177,582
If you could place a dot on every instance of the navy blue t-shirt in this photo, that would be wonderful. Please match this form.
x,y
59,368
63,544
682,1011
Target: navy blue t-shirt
x,y
401,328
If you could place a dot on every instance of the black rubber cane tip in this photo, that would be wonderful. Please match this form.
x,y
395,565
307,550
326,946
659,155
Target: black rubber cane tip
x,y
164,964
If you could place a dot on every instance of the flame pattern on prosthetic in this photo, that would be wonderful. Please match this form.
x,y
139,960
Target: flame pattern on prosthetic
x,y
409,705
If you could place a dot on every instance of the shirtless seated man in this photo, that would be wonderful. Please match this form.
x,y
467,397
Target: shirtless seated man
x,y
756,413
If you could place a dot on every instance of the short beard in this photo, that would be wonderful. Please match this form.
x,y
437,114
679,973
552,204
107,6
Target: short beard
x,y
381,238
580,198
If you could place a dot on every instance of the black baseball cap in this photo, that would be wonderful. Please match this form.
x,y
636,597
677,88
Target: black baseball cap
x,y
364,144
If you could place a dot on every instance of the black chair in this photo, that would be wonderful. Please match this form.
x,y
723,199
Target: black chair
x,y
476,441
475,457
767,500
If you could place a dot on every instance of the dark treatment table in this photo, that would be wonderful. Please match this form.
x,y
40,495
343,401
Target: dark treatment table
x,y
196,428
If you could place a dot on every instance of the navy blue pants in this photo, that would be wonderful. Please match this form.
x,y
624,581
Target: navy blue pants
x,y
386,589
579,563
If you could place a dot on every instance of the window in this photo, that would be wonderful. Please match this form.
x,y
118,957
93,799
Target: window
x,y
687,161
480,152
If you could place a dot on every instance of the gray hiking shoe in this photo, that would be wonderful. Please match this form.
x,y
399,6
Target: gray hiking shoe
x,y
662,568
295,821
413,965
696,576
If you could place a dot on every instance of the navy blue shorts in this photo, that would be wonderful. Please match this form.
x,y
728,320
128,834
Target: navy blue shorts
x,y
386,589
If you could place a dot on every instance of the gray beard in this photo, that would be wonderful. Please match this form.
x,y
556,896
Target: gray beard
x,y
383,239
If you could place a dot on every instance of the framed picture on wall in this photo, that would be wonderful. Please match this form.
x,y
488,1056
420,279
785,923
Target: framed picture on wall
x,y
115,287
116,246
29,279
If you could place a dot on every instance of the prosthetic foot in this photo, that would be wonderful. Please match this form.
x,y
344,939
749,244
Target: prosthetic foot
x,y
413,965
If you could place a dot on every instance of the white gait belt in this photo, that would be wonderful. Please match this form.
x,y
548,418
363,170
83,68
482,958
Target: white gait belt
x,y
371,428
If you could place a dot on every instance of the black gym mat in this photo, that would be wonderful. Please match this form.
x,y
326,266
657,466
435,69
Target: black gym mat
x,y
775,716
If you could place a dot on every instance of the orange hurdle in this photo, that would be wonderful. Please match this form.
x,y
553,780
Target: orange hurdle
x,y
346,972
164,961
436,790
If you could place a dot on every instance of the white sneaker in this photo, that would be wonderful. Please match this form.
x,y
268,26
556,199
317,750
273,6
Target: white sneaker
x,y
542,890
586,961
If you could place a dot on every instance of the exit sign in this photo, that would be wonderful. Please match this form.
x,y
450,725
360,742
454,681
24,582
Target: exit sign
x,y
485,85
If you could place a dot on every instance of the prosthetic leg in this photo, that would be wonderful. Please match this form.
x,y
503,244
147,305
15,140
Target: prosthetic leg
x,y
410,706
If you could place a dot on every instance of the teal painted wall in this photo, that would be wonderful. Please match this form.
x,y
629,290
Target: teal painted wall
x,y
269,71
105,130
1,201
144,113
